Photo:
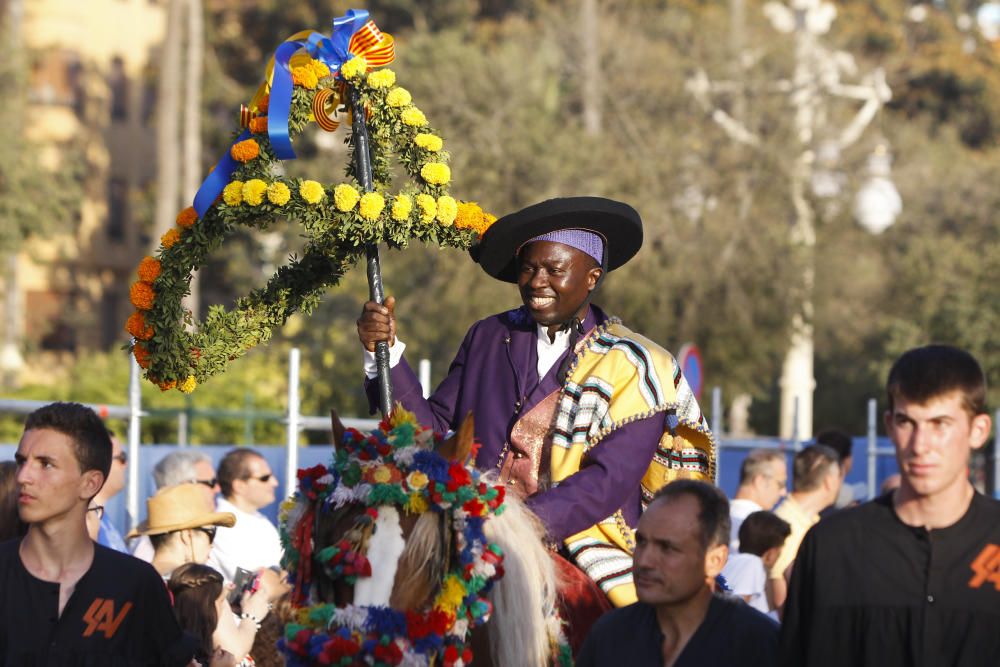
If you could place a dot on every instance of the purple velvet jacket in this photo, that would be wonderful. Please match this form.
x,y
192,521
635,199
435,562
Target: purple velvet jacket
x,y
495,376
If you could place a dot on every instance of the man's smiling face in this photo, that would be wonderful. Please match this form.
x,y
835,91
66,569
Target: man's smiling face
x,y
554,280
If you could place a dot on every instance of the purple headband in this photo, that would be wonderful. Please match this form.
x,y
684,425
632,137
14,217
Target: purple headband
x,y
581,239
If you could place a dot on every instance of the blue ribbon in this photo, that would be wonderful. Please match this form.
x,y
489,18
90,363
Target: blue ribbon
x,y
331,51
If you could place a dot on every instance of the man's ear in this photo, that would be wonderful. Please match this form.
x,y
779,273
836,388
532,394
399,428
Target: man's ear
x,y
715,559
980,430
90,484
594,277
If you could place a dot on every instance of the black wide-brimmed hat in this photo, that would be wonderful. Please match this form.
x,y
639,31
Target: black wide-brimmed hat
x,y
617,223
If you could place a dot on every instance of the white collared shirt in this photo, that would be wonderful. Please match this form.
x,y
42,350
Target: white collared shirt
x,y
252,543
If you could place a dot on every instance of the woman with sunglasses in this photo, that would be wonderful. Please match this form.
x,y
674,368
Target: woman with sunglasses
x,y
181,525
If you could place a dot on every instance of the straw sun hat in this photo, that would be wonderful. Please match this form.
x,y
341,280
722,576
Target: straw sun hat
x,y
178,508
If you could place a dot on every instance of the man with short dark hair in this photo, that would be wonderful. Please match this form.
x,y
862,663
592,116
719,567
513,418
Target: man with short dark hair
x,y
247,485
912,577
681,544
763,483
815,484
66,600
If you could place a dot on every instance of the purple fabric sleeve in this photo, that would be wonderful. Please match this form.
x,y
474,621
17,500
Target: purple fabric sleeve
x,y
609,479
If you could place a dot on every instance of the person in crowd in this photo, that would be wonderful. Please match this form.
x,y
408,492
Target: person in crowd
x,y
202,608
65,599
517,370
681,544
11,526
181,525
247,485
841,443
107,534
815,483
763,483
185,466
762,534
913,577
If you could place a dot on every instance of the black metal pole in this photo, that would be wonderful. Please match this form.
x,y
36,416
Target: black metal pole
x,y
363,170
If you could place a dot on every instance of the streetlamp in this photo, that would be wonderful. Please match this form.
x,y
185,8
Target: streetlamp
x,y
817,78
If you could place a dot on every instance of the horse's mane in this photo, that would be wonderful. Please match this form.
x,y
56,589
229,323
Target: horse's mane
x,y
524,600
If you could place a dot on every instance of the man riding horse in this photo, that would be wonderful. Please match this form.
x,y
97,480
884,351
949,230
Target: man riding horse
x,y
580,415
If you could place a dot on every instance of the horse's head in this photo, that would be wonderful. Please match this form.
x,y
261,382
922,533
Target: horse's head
x,y
385,547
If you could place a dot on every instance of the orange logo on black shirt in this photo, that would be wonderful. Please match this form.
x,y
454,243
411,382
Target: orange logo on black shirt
x,y
987,567
101,617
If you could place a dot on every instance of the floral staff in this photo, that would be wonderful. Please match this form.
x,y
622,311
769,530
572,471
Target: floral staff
x,y
340,221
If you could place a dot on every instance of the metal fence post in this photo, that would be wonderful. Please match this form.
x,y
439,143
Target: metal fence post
x,y
292,443
425,377
134,414
872,446
717,428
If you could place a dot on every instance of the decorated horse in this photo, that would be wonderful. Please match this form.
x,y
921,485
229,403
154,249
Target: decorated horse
x,y
401,553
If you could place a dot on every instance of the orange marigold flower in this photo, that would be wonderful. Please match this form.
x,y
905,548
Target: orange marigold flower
x,y
136,325
170,238
141,295
244,151
258,125
149,269
305,77
141,355
166,385
187,217
471,216
264,101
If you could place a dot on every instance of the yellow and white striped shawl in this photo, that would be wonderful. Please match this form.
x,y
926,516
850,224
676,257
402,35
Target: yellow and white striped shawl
x,y
617,378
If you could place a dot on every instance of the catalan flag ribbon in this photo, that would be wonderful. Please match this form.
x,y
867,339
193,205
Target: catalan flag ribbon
x,y
354,34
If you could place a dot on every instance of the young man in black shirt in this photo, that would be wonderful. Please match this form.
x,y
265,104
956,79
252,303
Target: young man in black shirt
x,y
913,577
66,600
681,545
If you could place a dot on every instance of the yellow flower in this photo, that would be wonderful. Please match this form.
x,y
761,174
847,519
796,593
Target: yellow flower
x,y
345,196
382,475
416,504
450,597
305,77
383,78
447,210
319,68
428,207
398,97
430,142
436,173
371,206
188,385
278,193
416,480
312,192
232,194
253,191
402,206
354,67
170,238
413,117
